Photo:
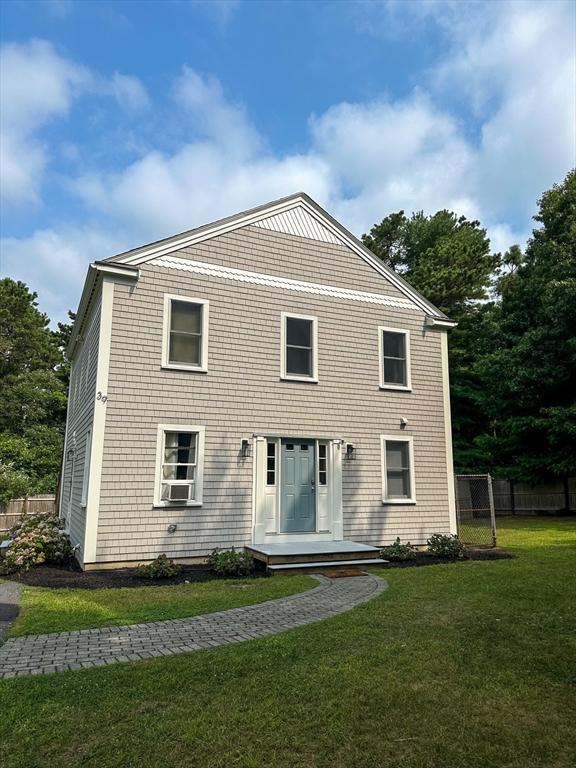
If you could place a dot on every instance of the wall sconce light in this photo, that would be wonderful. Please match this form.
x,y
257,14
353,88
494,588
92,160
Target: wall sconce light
x,y
172,528
245,448
350,452
403,422
70,454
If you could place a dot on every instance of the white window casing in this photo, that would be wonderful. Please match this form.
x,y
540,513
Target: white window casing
x,y
202,365
387,496
194,469
86,473
284,372
407,386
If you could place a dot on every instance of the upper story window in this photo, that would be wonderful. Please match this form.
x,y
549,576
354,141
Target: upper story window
x,y
394,348
397,470
299,348
185,343
179,465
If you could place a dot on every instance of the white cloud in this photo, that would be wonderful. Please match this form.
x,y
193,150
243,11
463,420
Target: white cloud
x,y
510,65
37,85
54,263
129,92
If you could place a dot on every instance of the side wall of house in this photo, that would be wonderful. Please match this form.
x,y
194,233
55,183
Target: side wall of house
x,y
242,394
79,429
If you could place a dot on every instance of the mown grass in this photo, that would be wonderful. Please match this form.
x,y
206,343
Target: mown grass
x,y
469,665
58,610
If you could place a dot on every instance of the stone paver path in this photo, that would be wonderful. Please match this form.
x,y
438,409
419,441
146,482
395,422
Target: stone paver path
x,y
10,593
60,651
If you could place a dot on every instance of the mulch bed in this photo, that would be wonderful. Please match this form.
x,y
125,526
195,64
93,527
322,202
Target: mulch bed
x,y
424,558
75,578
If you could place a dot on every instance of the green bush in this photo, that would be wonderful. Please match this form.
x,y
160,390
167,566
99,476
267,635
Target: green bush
x,y
161,568
229,562
398,551
37,540
448,547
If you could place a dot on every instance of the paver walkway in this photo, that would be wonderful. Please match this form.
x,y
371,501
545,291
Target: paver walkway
x,y
60,651
10,593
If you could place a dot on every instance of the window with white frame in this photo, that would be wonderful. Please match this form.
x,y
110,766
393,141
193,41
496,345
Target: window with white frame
x,y
299,347
185,343
271,468
394,348
397,470
179,465
86,473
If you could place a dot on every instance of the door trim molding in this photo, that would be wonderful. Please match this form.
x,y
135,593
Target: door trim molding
x,y
266,499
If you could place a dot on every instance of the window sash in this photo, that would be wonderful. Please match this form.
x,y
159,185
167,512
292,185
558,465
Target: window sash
x,y
181,334
398,470
396,372
169,467
299,357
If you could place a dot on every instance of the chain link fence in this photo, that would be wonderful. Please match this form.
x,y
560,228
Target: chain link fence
x,y
475,510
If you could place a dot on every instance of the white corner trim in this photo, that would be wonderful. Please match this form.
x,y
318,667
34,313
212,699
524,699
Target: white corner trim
x,y
197,502
292,376
203,367
99,422
398,438
284,283
448,433
383,384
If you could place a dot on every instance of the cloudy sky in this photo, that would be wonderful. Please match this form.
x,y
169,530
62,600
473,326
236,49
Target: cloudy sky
x,y
123,122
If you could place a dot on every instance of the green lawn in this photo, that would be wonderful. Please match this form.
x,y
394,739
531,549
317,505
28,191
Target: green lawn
x,y
57,610
469,665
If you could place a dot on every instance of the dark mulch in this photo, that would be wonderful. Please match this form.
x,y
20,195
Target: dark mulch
x,y
424,558
75,578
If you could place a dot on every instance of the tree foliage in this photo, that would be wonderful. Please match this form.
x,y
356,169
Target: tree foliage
x,y
33,394
530,374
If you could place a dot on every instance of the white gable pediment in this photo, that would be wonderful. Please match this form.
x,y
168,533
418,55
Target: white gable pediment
x,y
297,221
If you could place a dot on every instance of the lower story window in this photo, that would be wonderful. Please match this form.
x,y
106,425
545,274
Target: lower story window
x,y
397,470
180,465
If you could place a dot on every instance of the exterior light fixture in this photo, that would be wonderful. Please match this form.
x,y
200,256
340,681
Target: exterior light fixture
x,y
403,422
245,448
350,452
70,454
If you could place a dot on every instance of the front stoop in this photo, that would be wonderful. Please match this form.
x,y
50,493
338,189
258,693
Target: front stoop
x,y
336,557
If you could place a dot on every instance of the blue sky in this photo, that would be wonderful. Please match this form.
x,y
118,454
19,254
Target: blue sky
x,y
123,122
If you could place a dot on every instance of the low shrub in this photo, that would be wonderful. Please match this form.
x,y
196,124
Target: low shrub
x,y
446,546
399,551
161,568
229,562
37,540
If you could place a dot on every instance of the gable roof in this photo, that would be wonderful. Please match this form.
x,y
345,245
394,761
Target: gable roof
x,y
295,214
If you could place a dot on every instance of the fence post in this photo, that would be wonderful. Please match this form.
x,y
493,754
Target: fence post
x,y
512,499
492,512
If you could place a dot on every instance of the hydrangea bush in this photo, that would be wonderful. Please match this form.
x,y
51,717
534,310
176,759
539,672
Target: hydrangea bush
x,y
37,540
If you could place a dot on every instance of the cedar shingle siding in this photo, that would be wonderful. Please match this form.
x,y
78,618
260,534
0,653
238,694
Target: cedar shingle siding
x,y
242,394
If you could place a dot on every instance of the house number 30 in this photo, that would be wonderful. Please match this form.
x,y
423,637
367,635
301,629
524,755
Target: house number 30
x,y
102,397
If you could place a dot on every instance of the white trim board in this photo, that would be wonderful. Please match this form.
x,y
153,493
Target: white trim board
x,y
398,438
284,283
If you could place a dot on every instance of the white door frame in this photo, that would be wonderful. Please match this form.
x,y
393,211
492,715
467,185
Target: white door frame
x,y
266,498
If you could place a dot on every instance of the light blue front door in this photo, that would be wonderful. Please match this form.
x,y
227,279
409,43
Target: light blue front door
x,y
297,498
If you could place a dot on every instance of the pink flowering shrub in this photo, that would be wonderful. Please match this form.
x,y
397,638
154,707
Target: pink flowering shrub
x,y
37,539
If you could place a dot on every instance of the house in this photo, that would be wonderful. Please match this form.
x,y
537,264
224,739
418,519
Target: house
x,y
260,381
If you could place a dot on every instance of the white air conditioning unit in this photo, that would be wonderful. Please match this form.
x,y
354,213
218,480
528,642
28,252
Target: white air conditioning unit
x,y
178,492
